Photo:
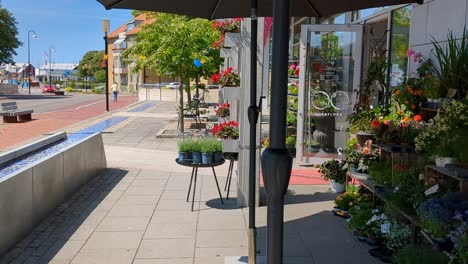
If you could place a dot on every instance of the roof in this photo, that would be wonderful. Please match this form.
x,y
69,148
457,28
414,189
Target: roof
x,y
123,28
59,66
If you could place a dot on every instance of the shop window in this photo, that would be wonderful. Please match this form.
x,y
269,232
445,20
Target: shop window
x,y
400,30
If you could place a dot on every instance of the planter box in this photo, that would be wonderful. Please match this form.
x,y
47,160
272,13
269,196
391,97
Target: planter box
x,y
232,40
225,53
231,146
231,93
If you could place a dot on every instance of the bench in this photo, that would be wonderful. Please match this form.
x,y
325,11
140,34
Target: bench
x,y
10,112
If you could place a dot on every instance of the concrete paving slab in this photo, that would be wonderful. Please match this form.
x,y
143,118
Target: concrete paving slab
x,y
113,240
124,223
105,256
164,261
166,248
171,230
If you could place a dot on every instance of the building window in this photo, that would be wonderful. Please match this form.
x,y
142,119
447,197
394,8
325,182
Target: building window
x,y
123,79
116,62
399,44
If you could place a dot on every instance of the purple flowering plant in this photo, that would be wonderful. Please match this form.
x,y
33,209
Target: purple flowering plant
x,y
436,214
459,237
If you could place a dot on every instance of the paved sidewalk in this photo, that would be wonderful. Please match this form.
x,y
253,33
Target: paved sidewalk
x,y
15,133
136,212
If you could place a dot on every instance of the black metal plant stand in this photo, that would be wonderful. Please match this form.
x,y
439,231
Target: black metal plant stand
x,y
195,167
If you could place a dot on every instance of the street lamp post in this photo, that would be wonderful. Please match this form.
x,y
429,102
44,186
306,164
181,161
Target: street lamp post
x,y
105,30
50,60
29,58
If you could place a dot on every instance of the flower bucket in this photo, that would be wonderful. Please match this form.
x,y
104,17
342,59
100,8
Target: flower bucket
x,y
197,157
336,187
442,161
185,156
206,158
217,157
231,93
230,145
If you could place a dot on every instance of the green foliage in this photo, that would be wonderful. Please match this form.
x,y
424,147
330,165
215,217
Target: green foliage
x,y
419,254
100,76
97,91
352,197
291,142
91,63
9,36
291,118
381,172
210,145
447,137
452,58
69,89
361,213
409,192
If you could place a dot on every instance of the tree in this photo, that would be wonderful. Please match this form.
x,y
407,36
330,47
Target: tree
x,y
8,32
170,45
90,65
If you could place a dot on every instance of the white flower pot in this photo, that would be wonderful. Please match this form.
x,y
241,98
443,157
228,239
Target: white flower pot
x,y
336,187
230,145
232,40
442,161
231,93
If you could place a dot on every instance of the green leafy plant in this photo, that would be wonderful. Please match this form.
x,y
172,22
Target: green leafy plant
x,y
69,89
352,197
361,213
291,142
209,145
333,170
447,136
381,172
185,145
420,254
452,58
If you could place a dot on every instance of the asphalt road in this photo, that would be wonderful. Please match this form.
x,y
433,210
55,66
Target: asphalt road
x,y
42,103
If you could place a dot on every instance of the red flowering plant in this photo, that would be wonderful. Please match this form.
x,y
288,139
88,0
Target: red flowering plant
x,y
226,130
228,25
223,110
227,78
401,132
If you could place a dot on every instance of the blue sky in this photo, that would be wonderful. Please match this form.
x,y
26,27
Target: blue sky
x,y
73,27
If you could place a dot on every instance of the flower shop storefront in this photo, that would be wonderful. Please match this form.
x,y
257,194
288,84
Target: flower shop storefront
x,y
389,117
342,58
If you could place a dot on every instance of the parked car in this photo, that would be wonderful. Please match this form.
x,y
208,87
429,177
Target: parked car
x,y
48,89
173,85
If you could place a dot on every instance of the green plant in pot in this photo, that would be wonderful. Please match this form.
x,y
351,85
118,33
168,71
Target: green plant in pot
x,y
208,148
335,172
185,147
218,150
196,151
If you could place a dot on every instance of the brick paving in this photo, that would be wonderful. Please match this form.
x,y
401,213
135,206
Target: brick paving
x,y
13,134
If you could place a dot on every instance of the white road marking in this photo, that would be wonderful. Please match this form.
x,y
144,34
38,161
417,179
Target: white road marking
x,y
83,106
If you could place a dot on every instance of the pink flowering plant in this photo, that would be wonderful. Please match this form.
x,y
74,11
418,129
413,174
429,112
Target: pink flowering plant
x,y
293,70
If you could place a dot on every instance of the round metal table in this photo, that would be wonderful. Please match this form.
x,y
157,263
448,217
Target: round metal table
x,y
195,167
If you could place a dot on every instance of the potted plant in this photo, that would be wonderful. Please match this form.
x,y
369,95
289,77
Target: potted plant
x,y
228,132
313,146
223,110
445,139
230,81
218,151
196,151
291,144
185,147
207,150
335,172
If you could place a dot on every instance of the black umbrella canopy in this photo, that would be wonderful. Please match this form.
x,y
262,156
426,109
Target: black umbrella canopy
x,y
214,9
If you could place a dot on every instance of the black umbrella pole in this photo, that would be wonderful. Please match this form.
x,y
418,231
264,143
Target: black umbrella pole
x,y
276,160
253,113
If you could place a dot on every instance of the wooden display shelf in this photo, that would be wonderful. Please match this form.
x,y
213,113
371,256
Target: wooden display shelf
x,y
451,178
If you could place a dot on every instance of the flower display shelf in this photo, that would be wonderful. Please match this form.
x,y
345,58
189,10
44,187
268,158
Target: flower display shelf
x,y
450,178
231,93
230,145
402,157
381,193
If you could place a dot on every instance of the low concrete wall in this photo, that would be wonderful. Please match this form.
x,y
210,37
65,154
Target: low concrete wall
x,y
8,88
28,196
15,153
